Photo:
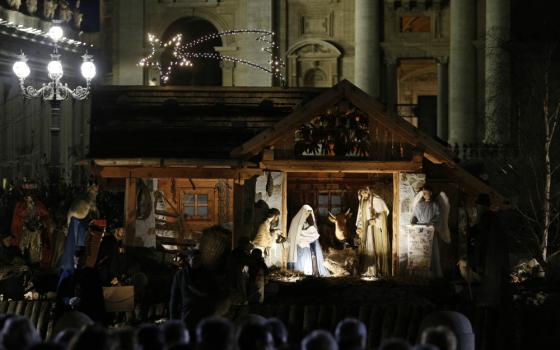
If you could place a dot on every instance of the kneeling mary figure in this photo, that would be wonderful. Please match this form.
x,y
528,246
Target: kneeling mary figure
x,y
305,253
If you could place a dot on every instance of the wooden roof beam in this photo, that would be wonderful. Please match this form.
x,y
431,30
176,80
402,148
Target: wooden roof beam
x,y
342,166
195,173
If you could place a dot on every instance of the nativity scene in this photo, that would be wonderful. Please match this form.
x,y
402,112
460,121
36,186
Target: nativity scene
x,y
325,183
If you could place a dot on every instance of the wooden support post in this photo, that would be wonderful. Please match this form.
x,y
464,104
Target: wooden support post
x,y
396,222
130,210
238,212
284,216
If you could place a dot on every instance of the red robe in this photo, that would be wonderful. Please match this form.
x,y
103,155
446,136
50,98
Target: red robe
x,y
18,220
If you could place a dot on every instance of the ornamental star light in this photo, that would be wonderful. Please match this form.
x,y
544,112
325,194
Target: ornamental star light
x,y
183,53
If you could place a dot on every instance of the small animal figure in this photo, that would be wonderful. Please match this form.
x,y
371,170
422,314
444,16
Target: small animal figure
x,y
82,206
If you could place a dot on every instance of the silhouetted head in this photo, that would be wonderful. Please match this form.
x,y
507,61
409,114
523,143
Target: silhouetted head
x,y
351,334
214,334
394,344
19,333
440,336
175,332
278,331
256,253
65,336
94,337
319,340
255,336
149,337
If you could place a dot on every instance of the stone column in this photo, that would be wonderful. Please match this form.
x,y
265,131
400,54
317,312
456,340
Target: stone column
x,y
442,99
391,83
497,72
128,22
366,36
462,73
259,15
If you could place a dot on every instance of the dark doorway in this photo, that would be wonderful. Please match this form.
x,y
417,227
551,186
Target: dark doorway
x,y
427,114
205,71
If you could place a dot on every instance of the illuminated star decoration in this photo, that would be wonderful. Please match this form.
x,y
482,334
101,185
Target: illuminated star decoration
x,y
183,55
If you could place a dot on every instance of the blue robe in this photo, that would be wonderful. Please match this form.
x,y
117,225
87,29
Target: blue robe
x,y
75,240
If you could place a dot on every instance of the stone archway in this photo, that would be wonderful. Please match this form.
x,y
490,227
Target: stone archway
x,y
313,63
204,72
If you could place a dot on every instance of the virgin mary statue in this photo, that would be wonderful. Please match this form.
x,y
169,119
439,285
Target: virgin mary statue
x,y
305,253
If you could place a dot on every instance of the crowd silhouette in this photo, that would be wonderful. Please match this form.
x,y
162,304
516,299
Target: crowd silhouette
x,y
214,333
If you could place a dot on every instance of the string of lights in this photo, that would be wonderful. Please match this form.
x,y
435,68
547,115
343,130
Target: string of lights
x,y
183,54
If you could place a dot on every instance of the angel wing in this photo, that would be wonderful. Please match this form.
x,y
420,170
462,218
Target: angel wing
x,y
443,223
415,201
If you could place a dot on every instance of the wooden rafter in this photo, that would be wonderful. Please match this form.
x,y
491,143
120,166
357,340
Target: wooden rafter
x,y
184,172
342,166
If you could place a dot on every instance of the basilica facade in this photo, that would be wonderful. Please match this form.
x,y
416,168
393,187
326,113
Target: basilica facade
x,y
433,62
439,64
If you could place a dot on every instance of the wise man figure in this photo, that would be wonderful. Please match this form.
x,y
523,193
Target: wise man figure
x,y
32,227
269,239
371,227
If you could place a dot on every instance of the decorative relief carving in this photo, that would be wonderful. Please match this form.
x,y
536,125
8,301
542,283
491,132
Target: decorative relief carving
x,y
317,25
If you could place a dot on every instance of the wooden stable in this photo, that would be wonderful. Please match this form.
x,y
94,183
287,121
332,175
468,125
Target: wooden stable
x,y
322,145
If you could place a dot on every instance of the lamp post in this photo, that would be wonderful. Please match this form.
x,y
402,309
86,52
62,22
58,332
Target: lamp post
x,y
55,91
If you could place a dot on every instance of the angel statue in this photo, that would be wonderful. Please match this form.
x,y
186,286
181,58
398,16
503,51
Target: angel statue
x,y
305,253
430,211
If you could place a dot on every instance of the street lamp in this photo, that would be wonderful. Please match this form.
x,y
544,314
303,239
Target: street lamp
x,y
55,91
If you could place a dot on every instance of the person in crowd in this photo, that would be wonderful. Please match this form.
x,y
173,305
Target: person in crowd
x,y
123,338
108,255
319,340
424,347
394,344
64,337
149,337
195,293
46,346
258,271
238,264
13,270
175,332
214,334
279,332
93,337
18,333
440,336
255,336
351,334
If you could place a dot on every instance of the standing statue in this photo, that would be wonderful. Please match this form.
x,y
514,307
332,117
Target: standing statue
x,y
269,239
65,11
305,253
433,211
31,6
32,227
371,227
49,8
14,4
